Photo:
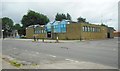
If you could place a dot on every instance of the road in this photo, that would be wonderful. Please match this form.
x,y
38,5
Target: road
x,y
103,52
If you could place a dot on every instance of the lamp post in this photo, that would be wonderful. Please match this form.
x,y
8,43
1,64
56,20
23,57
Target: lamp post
x,y
2,34
34,37
80,31
57,39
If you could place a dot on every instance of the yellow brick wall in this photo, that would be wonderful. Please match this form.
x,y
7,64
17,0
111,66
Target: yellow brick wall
x,y
73,31
94,35
42,35
62,36
29,32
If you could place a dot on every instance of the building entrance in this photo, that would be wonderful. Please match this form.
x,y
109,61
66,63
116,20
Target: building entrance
x,y
48,34
108,35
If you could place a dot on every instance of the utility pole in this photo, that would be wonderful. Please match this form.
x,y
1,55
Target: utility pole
x,y
57,38
2,34
80,32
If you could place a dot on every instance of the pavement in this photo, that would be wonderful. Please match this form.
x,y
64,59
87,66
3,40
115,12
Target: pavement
x,y
98,54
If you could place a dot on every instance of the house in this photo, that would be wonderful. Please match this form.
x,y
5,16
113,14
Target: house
x,y
67,30
116,34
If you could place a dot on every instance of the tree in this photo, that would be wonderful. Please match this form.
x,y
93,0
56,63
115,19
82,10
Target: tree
x,y
34,18
7,26
60,17
63,16
22,31
104,25
68,16
81,20
17,27
7,23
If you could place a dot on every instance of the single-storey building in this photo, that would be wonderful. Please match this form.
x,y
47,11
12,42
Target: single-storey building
x,y
116,34
67,30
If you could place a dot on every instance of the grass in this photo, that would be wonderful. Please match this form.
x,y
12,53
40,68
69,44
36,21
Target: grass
x,y
34,64
15,63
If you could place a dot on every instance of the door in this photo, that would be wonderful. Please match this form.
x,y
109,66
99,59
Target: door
x,y
48,34
108,35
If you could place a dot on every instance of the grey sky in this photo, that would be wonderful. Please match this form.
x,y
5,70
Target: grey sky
x,y
93,10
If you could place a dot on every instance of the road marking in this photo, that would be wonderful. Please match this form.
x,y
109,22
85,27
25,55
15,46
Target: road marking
x,y
72,60
14,48
52,56
37,52
76,61
67,59
114,49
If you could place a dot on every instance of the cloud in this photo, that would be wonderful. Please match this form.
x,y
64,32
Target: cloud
x,y
93,10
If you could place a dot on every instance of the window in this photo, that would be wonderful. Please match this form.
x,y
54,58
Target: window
x,y
63,28
98,29
55,28
42,31
83,28
88,29
39,31
36,32
94,29
62,25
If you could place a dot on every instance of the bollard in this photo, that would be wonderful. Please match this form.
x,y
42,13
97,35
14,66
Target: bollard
x,y
43,40
57,39
34,38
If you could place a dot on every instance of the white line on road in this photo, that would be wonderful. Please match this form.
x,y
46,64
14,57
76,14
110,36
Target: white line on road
x,y
72,60
37,52
52,56
114,49
76,61
69,59
14,48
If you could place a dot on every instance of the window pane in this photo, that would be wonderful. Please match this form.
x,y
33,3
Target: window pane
x,y
83,28
88,29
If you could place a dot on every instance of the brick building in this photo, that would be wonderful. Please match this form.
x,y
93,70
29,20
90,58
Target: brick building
x,y
66,30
